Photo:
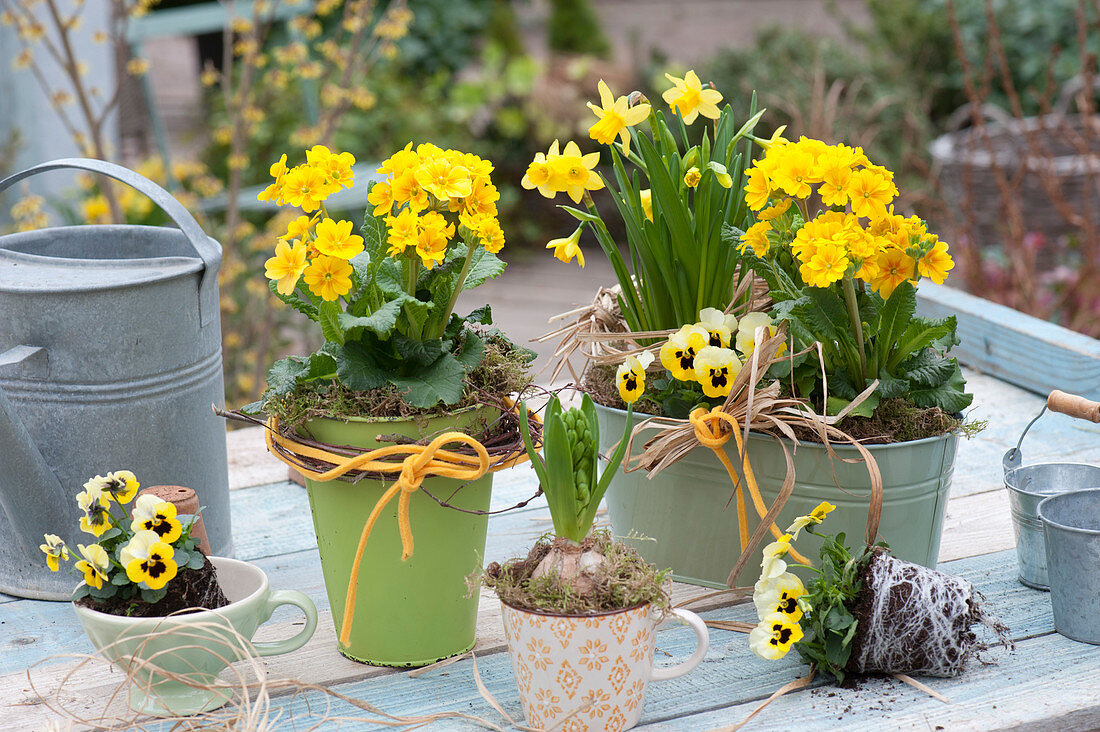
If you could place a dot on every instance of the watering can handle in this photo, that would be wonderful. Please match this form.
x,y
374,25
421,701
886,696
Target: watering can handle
x,y
208,250
1073,405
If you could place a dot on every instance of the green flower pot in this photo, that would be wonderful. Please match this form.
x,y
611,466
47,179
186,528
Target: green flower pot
x,y
419,611
681,519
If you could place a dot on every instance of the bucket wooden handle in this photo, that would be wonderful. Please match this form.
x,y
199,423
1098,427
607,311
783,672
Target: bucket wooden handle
x,y
1073,405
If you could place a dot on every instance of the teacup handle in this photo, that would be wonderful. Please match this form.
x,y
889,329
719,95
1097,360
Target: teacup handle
x,y
288,597
696,623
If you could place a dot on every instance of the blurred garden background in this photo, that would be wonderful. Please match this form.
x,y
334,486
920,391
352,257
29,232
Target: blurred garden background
x,y
985,109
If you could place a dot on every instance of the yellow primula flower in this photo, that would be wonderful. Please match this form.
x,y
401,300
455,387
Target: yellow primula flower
x,y
834,186
779,595
936,263
569,247
775,210
432,240
95,508
299,228
894,267
615,116
827,265
305,187
679,351
813,518
337,169
399,162
719,325
443,179
96,210
715,369
328,278
148,559
774,636
153,514
756,239
274,192
757,189
55,550
630,376
692,177
381,197
94,565
335,239
689,99
645,199
870,191
287,266
487,230
404,231
405,188
795,171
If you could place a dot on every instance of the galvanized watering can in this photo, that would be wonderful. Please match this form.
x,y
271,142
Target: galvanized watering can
x,y
110,359
1029,485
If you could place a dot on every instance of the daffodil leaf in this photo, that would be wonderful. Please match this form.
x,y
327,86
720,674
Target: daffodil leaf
x,y
329,314
357,367
580,215
441,382
284,376
473,350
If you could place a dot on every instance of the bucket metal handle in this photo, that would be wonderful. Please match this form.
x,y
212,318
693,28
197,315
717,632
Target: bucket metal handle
x,y
1058,401
208,250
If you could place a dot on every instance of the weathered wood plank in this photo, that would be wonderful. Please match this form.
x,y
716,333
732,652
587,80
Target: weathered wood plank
x,y
984,520
1008,344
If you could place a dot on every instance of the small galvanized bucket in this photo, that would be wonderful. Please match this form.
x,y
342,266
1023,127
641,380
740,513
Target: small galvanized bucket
x,y
1029,485
1071,526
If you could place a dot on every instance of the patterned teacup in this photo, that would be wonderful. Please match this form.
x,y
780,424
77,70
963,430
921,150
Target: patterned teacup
x,y
590,670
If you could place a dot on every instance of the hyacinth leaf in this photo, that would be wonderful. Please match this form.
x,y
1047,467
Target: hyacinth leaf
x,y
525,432
612,466
559,487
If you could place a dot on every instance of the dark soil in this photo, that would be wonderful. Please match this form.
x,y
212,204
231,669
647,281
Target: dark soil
x,y
189,589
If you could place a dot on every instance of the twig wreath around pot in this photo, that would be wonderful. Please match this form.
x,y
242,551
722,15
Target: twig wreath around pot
x,y
801,247
406,409
158,608
581,610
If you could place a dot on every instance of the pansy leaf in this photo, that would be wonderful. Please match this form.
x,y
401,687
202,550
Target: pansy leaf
x,y
357,367
120,578
102,593
197,560
181,557
80,592
441,382
153,596
109,534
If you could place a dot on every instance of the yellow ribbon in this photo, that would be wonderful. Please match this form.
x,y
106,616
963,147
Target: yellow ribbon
x,y
421,461
708,431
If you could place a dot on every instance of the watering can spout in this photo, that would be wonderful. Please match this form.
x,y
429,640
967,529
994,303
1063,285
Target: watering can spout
x,y
32,500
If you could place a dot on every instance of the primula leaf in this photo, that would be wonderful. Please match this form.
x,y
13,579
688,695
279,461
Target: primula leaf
x,y
484,266
440,382
895,315
890,386
381,322
921,333
928,368
388,279
375,233
473,350
824,314
330,313
866,408
949,396
357,367
285,374
418,353
416,314
364,274
483,315
305,307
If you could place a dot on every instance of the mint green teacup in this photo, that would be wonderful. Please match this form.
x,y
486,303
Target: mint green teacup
x,y
195,647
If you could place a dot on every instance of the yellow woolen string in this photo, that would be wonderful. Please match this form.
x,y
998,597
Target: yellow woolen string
x,y
708,431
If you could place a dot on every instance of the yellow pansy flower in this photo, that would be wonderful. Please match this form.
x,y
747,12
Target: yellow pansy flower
x,y
569,247
774,636
54,549
630,376
779,595
773,564
148,559
335,239
719,325
715,369
679,351
689,99
328,277
615,116
95,508
94,565
745,341
287,266
120,486
153,514
813,518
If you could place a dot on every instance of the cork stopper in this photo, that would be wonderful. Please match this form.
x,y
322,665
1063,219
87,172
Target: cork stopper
x,y
186,501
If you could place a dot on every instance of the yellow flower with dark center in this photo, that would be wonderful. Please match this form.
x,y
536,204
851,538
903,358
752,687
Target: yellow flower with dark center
x,y
328,277
335,239
779,595
715,369
719,325
287,266
569,247
94,565
894,267
692,177
679,351
404,231
689,99
615,117
813,518
630,376
774,636
120,486
148,559
55,550
304,187
274,192
152,514
442,179
95,507
937,263
381,197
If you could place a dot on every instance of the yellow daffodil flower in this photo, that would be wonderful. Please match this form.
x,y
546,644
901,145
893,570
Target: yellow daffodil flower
x,y
55,550
630,376
152,514
692,177
287,266
679,351
719,325
894,267
304,187
773,564
274,192
715,369
96,516
813,518
779,595
328,277
566,172
720,174
569,247
615,116
335,239
774,636
94,565
689,99
776,138
148,559
937,263
645,198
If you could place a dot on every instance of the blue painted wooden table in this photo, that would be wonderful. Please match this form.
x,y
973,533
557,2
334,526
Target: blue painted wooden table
x,y
1048,682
